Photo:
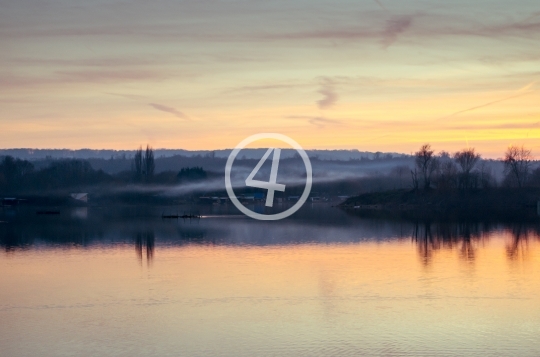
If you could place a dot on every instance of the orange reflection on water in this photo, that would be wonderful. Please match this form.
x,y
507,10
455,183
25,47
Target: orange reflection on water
x,y
479,295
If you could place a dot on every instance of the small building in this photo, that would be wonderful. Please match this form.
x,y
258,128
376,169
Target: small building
x,y
83,197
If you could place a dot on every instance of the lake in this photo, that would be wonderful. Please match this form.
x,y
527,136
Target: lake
x,y
122,281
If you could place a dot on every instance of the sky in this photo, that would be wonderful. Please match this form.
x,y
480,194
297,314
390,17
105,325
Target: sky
x,y
374,75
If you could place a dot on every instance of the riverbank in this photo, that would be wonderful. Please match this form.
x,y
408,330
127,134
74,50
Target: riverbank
x,y
500,202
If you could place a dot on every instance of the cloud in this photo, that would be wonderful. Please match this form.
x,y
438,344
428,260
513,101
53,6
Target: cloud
x,y
379,27
127,96
108,75
97,62
315,120
263,88
170,110
394,27
330,97
512,29
82,76
427,25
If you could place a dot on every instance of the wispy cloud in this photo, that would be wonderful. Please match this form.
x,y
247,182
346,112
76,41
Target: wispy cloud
x,y
427,25
127,96
97,62
330,97
394,27
80,76
264,87
108,75
170,110
315,120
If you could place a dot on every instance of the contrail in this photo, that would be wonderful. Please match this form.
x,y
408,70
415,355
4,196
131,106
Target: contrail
x,y
521,92
381,5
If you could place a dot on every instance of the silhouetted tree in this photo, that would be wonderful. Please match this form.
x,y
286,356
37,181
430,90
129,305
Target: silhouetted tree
x,y
466,160
143,164
517,164
191,174
68,173
138,164
444,155
13,172
427,163
148,164
447,175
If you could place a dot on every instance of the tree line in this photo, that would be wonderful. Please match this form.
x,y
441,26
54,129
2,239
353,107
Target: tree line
x,y
18,175
465,169
143,164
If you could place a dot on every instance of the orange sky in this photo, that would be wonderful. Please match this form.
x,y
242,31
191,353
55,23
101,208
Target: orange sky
x,y
377,76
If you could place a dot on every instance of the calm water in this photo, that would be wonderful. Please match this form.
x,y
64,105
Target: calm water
x,y
124,282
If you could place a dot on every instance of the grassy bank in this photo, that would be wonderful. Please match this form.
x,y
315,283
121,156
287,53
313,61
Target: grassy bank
x,y
501,202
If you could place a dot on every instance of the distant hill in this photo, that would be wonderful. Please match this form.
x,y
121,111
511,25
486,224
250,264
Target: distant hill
x,y
39,154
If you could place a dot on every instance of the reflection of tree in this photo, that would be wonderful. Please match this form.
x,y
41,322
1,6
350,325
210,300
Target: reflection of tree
x,y
145,241
518,247
424,239
470,232
20,233
431,237
467,251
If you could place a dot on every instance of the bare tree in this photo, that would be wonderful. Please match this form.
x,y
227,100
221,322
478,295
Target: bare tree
x,y
467,160
13,171
427,163
148,163
517,163
138,164
444,155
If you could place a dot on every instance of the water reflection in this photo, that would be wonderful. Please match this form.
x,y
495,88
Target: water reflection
x,y
79,212
321,283
143,227
145,241
518,247
463,236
